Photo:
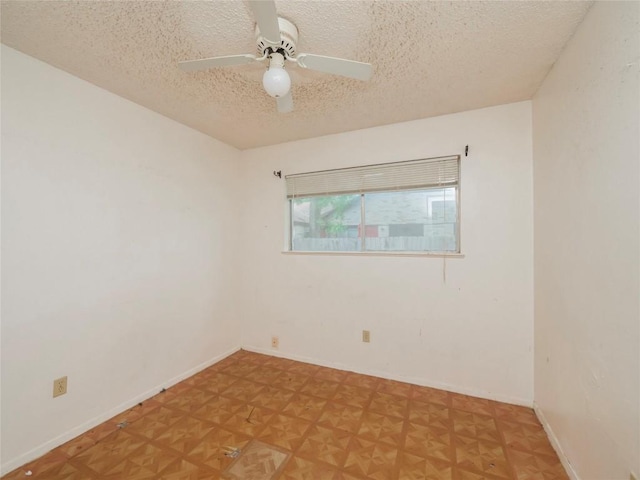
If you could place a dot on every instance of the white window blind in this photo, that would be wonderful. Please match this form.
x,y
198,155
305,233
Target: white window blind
x,y
413,174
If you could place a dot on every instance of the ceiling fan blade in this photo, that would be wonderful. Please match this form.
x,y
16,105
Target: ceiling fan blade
x,y
335,66
206,63
266,17
285,104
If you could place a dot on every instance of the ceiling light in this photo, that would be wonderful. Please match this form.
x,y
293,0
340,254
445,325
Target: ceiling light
x,y
276,80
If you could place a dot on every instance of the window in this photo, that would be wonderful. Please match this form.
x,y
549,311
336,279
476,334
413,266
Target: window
x,y
394,207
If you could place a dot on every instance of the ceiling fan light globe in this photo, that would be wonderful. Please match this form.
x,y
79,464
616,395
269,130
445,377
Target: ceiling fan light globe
x,y
276,82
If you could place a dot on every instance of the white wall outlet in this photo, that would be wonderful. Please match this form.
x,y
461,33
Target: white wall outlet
x,y
275,342
59,386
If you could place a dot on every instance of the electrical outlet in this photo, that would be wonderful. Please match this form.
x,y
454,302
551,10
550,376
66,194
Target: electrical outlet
x,y
59,386
366,336
275,342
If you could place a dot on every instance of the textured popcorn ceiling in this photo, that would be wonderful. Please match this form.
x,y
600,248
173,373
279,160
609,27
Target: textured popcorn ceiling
x,y
430,58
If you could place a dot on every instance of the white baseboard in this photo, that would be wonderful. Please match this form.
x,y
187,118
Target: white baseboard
x,y
555,443
40,450
413,380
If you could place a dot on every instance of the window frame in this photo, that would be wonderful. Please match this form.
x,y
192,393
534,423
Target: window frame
x,y
289,217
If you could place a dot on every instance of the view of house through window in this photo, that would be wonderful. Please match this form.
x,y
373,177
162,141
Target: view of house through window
x,y
380,215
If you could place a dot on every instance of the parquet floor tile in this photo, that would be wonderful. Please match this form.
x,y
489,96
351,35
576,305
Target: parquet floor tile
x,y
110,451
302,368
530,466
144,463
249,420
40,468
302,469
75,446
290,381
258,461
525,437
243,390
214,448
156,422
240,369
264,375
190,401
352,395
413,467
305,407
394,388
389,404
370,459
424,413
218,382
285,431
516,413
475,425
172,392
428,440
184,470
326,444
482,457
185,434
364,381
231,359
340,416
430,395
65,471
259,417
472,404
273,398
134,413
218,410
331,374
382,428
320,388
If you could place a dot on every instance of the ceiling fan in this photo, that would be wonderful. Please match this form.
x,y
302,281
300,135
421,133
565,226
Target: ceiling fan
x,y
276,40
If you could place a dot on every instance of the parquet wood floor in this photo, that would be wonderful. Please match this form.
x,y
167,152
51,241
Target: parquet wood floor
x,y
323,424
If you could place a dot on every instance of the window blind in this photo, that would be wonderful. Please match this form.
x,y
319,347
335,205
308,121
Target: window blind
x,y
413,174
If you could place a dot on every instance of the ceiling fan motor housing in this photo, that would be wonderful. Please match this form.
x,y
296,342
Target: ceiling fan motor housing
x,y
288,39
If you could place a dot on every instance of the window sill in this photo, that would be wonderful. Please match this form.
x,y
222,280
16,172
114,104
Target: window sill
x,y
377,254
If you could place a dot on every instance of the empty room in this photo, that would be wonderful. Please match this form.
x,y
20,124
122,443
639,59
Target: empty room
x,y
320,240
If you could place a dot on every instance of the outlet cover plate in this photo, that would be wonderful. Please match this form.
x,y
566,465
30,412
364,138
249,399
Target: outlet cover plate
x,y
366,336
59,386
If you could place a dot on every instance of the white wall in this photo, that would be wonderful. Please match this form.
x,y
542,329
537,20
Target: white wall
x,y
586,172
472,333
118,236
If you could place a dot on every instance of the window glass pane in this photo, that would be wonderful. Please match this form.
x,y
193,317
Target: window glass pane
x,y
326,224
412,220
